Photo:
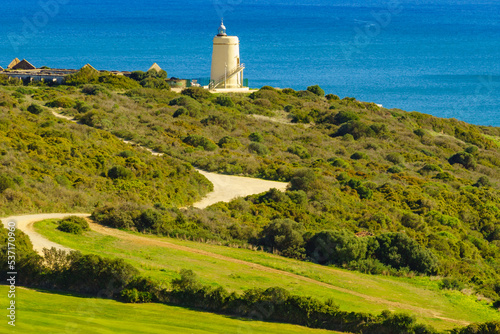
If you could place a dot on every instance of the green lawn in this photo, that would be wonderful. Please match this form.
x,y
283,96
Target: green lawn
x,y
41,312
358,292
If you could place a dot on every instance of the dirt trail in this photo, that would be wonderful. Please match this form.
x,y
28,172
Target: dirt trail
x,y
25,224
226,187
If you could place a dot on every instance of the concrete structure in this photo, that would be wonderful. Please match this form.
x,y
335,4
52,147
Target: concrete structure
x,y
227,71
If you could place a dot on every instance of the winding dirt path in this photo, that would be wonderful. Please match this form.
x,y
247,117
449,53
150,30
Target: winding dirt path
x,y
226,187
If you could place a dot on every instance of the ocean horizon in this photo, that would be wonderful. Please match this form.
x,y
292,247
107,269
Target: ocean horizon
x,y
435,57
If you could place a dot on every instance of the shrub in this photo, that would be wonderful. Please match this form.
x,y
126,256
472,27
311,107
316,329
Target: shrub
x,y
316,90
229,142
428,168
395,170
419,132
156,83
465,159
472,149
357,129
224,101
187,281
483,181
197,93
299,150
94,90
339,162
180,111
395,158
398,250
451,283
80,221
359,156
70,227
444,176
35,109
285,235
336,247
120,172
303,179
61,102
344,117
200,141
332,97
6,182
258,148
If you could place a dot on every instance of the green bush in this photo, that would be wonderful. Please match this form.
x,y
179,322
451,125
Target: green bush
x,y
451,283
224,101
284,235
303,179
339,162
70,227
200,141
344,117
61,102
82,222
94,90
359,156
6,182
395,170
316,90
336,247
258,148
197,93
229,142
332,97
395,158
300,151
35,109
465,159
483,181
120,172
357,129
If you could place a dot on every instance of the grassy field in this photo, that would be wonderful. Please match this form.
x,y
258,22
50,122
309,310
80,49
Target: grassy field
x,y
42,312
352,291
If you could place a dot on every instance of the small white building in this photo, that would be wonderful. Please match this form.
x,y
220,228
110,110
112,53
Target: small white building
x,y
227,70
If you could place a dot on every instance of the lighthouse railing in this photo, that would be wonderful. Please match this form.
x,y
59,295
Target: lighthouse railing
x,y
214,83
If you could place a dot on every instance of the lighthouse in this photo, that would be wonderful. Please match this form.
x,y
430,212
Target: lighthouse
x,y
227,71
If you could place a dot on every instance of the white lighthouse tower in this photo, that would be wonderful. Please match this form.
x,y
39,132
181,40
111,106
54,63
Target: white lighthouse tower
x,y
227,71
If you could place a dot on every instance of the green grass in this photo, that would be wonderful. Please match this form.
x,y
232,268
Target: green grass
x,y
42,312
363,293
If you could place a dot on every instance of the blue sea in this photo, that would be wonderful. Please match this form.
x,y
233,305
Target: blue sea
x,y
436,57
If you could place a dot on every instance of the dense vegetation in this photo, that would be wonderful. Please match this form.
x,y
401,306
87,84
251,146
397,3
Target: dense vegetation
x,y
372,189
47,164
353,168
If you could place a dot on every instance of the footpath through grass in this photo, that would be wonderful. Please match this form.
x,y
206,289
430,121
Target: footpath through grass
x,y
43,312
419,296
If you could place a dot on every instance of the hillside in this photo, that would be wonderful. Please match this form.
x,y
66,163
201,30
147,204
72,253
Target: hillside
x,y
379,191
